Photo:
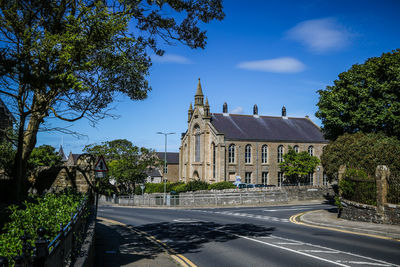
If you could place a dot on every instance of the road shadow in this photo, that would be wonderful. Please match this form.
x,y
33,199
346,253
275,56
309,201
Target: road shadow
x,y
118,245
189,237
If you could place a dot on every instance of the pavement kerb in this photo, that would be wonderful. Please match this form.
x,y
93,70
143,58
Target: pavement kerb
x,y
299,219
178,258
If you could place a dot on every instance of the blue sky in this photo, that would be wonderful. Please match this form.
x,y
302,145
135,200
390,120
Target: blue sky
x,y
269,53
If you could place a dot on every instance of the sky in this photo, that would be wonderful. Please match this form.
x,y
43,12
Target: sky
x,y
269,53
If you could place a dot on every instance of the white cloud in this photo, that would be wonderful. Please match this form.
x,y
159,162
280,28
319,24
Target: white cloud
x,y
320,35
237,110
282,64
171,58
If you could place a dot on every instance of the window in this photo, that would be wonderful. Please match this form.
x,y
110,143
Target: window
x,y
247,177
311,178
264,154
197,144
166,168
231,154
213,160
280,178
324,179
247,154
296,149
280,153
264,177
311,151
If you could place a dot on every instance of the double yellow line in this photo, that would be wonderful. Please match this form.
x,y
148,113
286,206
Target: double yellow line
x,y
296,220
179,258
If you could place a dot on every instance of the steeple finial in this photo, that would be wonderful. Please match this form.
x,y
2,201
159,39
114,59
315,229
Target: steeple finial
x,y
198,97
190,112
207,109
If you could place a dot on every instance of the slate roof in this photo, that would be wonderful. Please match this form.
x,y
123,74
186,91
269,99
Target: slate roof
x,y
172,157
267,128
6,111
153,172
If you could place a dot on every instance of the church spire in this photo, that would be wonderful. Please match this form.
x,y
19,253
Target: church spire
x,y
198,97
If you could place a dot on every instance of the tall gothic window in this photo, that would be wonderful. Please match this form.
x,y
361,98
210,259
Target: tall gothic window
x,y
311,178
197,144
213,160
231,153
264,178
247,154
247,177
264,154
296,149
311,150
280,153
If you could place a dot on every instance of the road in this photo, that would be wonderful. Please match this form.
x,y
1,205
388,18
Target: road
x,y
257,236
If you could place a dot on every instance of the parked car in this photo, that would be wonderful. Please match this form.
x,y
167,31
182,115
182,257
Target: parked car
x,y
240,185
250,186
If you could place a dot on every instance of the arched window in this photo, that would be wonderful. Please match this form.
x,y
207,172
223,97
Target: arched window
x,y
213,159
311,150
231,153
197,144
264,154
247,154
280,153
296,149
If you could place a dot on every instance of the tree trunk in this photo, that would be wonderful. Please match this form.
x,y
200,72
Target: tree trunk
x,y
26,143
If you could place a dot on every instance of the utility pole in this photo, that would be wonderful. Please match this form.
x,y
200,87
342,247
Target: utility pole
x,y
165,166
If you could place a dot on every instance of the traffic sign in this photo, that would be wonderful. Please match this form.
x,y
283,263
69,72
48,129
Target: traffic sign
x,y
101,165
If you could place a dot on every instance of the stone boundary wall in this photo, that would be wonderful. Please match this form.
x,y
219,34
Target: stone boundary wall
x,y
226,197
366,213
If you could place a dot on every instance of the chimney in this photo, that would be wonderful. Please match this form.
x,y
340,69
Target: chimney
x,y
255,109
225,108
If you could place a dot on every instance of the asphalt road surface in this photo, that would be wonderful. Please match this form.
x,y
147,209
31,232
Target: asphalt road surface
x,y
257,236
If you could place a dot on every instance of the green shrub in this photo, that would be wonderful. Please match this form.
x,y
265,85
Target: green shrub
x,y
363,152
179,187
197,185
221,186
48,211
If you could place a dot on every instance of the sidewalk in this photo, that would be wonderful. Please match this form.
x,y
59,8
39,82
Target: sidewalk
x,y
118,245
329,219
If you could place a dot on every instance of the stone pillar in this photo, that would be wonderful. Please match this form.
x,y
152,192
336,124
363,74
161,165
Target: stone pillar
x,y
382,173
341,171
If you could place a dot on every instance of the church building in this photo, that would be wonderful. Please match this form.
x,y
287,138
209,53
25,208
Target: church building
x,y
224,147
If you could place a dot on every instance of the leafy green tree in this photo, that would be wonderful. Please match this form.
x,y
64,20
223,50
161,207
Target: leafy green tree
x,y
126,163
365,98
297,166
44,155
70,59
362,151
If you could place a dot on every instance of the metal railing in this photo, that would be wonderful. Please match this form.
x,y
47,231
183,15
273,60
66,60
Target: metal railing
x,y
58,252
361,191
393,191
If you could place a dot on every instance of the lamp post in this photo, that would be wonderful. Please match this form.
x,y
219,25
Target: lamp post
x,y
165,166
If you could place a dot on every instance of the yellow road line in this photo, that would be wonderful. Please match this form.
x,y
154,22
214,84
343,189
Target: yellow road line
x,y
294,220
182,260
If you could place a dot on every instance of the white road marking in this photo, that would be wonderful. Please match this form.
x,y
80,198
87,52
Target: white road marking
x,y
319,251
365,263
290,209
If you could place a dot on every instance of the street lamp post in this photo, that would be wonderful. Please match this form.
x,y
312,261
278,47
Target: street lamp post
x,y
165,166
